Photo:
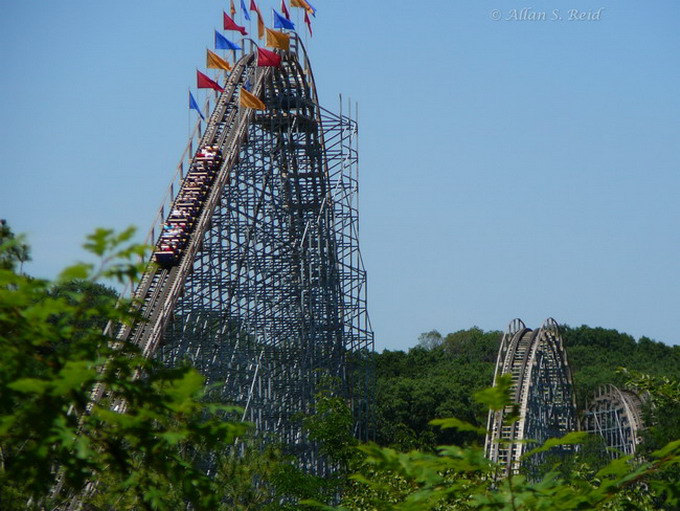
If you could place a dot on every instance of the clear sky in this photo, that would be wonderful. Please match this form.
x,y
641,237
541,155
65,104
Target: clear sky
x,y
526,166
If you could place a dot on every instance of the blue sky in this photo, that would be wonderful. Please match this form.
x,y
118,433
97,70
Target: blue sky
x,y
510,168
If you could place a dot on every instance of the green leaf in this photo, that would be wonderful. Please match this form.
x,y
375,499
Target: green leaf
x,y
80,271
174,437
453,423
30,386
575,437
98,242
669,449
497,397
73,376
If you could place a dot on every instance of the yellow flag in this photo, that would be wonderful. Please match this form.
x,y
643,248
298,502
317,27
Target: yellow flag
x,y
303,4
249,100
277,39
260,26
217,62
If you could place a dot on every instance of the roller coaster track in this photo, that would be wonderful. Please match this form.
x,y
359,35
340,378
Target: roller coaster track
x,y
159,288
268,290
616,416
542,395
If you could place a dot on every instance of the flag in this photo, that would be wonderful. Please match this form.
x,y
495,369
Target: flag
x,y
217,62
194,106
284,9
267,58
281,22
249,100
304,4
230,24
312,9
222,43
203,82
245,11
260,22
277,39
308,22
232,8
260,26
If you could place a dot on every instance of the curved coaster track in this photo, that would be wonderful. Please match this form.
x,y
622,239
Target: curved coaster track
x,y
260,284
615,415
542,396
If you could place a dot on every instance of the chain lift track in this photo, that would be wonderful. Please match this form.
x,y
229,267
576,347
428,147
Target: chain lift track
x,y
616,416
268,295
542,391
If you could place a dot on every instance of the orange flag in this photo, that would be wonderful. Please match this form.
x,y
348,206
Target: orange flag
x,y
302,4
260,26
277,39
232,9
217,62
248,100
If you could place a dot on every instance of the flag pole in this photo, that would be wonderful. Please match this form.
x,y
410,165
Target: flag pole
x,y
250,21
305,30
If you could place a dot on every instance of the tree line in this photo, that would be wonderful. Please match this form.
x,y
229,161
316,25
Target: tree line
x,y
438,377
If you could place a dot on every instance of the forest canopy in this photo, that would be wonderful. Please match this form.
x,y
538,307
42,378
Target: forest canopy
x,y
438,377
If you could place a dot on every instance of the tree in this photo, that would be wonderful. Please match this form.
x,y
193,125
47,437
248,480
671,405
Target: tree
x,y
459,478
141,444
595,354
14,250
434,382
430,340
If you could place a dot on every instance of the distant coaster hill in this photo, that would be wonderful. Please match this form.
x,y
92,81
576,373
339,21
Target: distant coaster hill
x,y
543,404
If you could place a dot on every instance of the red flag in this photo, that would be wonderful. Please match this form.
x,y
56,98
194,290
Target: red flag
x,y
284,9
267,58
253,7
203,82
308,22
230,24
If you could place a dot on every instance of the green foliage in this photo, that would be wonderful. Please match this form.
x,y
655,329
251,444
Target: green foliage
x,y
430,340
460,478
436,379
432,382
147,439
249,476
662,390
496,397
595,354
13,250
331,424
438,370
139,442
662,415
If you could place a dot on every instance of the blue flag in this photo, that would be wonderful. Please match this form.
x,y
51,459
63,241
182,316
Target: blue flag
x,y
222,43
313,9
281,22
194,106
245,11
